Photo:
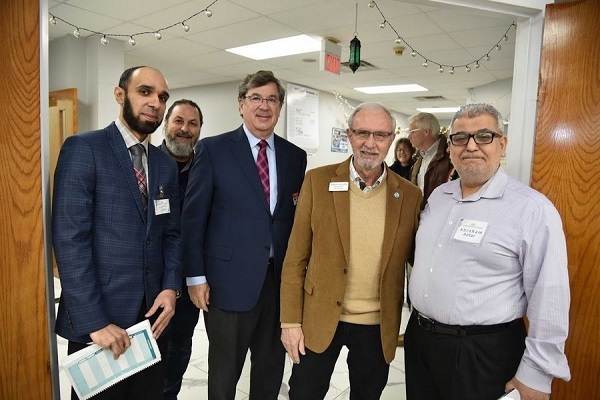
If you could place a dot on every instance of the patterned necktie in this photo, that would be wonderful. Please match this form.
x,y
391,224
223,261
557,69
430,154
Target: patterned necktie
x,y
262,164
138,167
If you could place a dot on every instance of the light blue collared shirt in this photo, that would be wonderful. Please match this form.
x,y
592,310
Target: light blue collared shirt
x,y
253,140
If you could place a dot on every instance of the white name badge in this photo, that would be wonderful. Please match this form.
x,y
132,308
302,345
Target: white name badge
x,y
338,186
470,231
162,206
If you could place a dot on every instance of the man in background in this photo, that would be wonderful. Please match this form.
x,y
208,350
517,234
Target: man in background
x,y
182,126
236,222
432,166
115,231
489,251
343,275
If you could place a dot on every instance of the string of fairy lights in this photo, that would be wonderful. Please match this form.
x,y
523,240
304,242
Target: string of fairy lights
x,y
442,66
80,31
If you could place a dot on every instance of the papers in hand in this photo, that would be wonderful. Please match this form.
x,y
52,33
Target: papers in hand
x,y
94,369
512,394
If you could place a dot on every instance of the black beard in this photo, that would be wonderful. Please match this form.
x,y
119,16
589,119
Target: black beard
x,y
143,127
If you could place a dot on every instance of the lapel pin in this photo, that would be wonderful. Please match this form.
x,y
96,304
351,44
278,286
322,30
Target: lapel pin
x,y
396,194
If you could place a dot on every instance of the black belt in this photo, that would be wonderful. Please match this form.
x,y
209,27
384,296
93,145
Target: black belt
x,y
459,330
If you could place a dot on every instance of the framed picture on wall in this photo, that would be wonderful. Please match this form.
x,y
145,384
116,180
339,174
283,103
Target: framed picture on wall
x,y
339,140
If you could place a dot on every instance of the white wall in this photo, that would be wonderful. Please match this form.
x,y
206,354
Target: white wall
x,y
219,107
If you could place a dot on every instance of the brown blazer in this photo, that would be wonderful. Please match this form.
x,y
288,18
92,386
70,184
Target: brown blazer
x,y
314,276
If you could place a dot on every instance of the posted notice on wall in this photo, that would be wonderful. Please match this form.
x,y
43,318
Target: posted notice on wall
x,y
303,117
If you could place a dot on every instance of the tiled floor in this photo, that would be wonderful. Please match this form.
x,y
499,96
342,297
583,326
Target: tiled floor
x,y
196,377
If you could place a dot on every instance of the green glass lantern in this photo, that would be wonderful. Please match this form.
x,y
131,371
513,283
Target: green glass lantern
x,y
354,61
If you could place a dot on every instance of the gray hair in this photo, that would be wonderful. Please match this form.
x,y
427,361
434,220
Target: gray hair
x,y
371,106
475,110
424,120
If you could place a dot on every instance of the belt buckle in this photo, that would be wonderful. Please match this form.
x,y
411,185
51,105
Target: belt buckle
x,y
426,322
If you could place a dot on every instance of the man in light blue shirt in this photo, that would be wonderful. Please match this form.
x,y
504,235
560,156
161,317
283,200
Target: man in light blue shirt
x,y
489,251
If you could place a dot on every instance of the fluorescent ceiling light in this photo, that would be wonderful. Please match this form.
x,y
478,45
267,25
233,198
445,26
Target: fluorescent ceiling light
x,y
279,47
439,110
391,89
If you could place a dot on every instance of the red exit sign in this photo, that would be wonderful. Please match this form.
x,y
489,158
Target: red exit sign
x,y
332,63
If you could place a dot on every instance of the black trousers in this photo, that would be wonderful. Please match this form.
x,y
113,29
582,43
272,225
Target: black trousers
x,y
473,367
181,329
145,385
368,370
231,334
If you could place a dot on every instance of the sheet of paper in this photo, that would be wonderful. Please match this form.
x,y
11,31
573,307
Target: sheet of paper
x,y
93,369
511,395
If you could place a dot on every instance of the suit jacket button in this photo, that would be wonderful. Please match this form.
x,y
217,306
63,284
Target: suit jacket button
x,y
339,303
147,241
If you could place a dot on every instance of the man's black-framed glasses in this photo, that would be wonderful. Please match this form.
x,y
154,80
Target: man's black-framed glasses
x,y
380,136
481,137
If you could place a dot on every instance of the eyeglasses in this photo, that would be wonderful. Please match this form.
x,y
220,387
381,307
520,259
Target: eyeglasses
x,y
380,136
255,99
481,137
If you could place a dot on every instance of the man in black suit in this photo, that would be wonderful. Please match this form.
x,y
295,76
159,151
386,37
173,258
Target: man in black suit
x,y
183,123
236,221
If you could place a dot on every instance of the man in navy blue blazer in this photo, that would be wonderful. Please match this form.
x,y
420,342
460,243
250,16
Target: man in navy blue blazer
x,y
235,229
118,250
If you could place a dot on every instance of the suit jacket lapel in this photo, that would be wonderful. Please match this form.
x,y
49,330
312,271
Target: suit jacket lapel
x,y
341,201
122,153
153,181
282,166
240,147
393,207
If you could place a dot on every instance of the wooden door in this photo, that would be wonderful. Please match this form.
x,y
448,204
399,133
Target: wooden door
x,y
25,360
567,169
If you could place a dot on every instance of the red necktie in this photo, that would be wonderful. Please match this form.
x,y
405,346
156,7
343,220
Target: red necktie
x,y
262,164
138,150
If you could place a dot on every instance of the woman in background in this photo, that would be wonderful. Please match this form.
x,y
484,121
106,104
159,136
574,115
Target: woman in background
x,y
403,158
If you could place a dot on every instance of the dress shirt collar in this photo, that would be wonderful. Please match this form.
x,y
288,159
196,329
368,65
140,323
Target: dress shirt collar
x,y
432,150
358,181
129,137
492,189
254,140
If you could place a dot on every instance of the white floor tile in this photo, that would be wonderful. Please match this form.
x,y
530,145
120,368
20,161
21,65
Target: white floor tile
x,y
195,380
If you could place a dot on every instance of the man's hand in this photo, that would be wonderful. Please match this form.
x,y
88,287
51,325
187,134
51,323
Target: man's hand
x,y
526,392
112,338
200,296
166,301
293,341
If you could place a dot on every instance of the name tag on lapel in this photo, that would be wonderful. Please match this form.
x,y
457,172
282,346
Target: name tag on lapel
x,y
338,186
162,206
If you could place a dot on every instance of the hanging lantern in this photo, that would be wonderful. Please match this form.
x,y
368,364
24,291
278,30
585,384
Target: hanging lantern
x,y
354,61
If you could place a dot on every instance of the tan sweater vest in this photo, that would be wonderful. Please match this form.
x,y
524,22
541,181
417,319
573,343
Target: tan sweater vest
x,y
361,303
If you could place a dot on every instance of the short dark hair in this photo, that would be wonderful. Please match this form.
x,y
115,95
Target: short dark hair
x,y
258,79
189,103
126,76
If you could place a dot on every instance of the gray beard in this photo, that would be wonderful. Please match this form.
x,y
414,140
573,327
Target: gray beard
x,y
178,149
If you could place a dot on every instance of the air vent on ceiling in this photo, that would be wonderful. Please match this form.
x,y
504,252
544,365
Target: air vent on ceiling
x,y
430,98
364,66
